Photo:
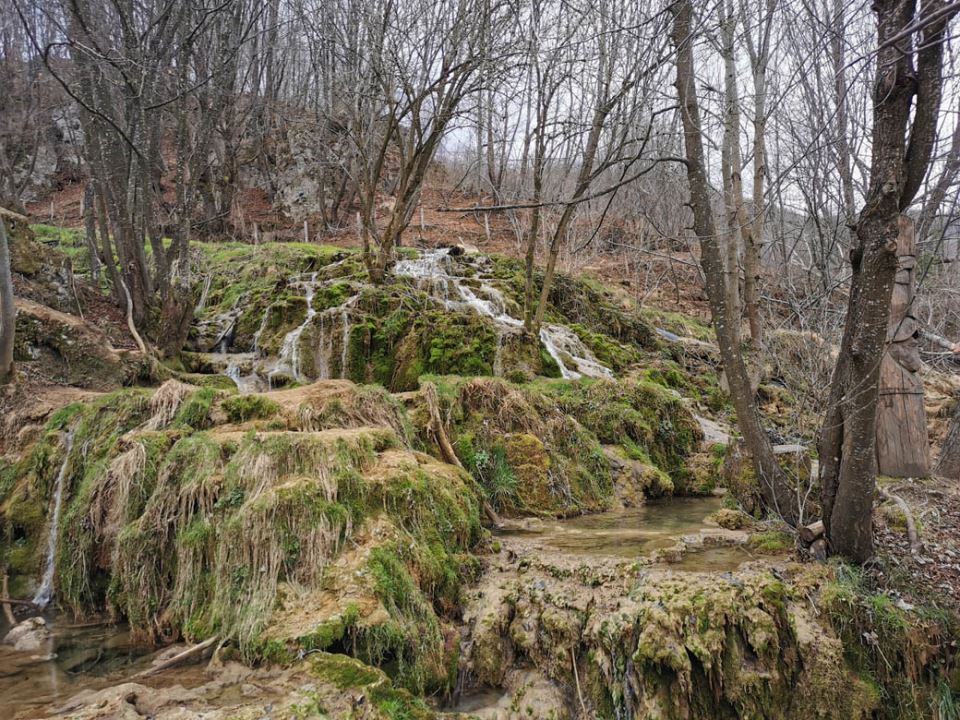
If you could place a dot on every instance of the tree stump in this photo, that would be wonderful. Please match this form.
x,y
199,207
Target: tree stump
x,y
902,441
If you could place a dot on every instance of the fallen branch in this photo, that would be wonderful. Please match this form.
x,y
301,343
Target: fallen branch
x,y
178,658
130,324
915,546
12,601
576,677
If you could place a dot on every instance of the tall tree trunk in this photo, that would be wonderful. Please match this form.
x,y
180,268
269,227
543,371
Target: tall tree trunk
x,y
8,311
90,231
732,163
848,437
107,247
753,252
776,492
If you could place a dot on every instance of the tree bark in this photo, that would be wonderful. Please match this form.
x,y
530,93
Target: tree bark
x,y
8,311
90,230
848,437
948,465
774,488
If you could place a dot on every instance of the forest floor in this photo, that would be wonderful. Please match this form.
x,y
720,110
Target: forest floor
x,y
932,574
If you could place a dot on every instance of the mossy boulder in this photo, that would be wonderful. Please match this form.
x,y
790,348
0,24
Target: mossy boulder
x,y
65,349
529,462
635,477
445,344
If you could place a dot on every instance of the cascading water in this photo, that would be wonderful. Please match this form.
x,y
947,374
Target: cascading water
x,y
344,340
290,349
202,302
259,332
434,269
434,273
45,591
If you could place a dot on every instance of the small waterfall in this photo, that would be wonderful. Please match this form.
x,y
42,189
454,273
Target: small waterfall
x,y
334,325
554,352
259,332
290,349
202,302
45,592
324,349
434,269
559,340
233,372
344,341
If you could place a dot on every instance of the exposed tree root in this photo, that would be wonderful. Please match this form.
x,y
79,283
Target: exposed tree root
x,y
915,545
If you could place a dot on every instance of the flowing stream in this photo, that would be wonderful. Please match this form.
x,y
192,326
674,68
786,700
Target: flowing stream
x,y
45,591
89,656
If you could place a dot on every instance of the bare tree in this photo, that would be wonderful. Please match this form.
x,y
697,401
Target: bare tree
x,y
8,311
906,103
773,484
417,64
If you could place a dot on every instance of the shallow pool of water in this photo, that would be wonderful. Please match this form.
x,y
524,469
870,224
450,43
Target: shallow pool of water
x,y
480,702
628,533
85,657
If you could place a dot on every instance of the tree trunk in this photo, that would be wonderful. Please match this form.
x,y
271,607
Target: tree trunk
x,y
774,488
90,229
731,163
948,465
848,437
8,311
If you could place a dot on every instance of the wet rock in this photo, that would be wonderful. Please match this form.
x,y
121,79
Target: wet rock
x,y
30,635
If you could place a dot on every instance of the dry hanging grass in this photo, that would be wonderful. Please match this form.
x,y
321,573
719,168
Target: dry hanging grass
x,y
165,403
107,512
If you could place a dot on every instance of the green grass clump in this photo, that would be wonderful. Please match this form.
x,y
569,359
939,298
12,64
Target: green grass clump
x,y
773,542
241,408
194,412
494,472
897,651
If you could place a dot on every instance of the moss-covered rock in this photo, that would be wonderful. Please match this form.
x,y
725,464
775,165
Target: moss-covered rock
x,y
693,645
189,527
445,344
65,349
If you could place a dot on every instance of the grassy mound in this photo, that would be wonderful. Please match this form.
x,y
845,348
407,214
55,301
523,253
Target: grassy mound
x,y
543,447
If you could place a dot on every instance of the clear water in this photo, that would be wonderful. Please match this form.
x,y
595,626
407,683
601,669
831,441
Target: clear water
x,y
637,532
83,658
